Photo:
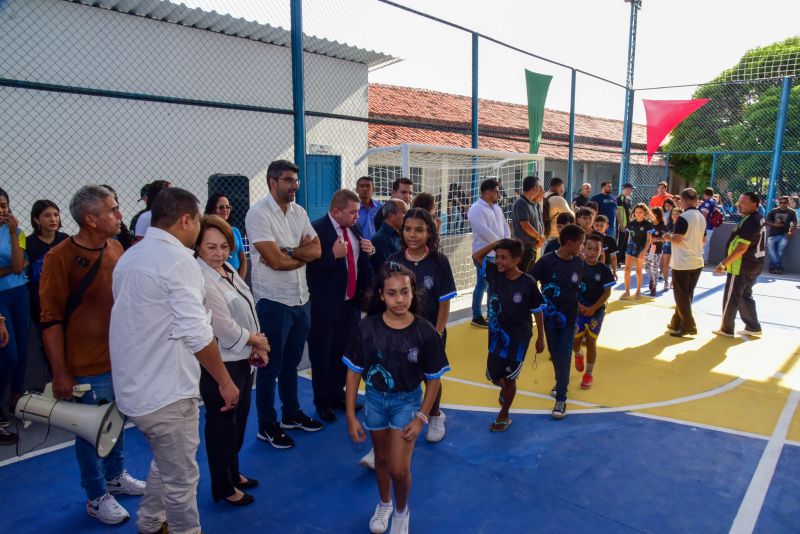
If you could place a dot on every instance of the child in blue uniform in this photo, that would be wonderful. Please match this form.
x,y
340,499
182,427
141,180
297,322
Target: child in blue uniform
x,y
594,291
640,236
513,297
393,350
559,275
562,220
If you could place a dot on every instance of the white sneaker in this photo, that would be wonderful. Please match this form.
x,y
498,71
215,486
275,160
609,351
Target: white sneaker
x,y
379,522
400,522
436,428
124,483
368,460
749,333
107,510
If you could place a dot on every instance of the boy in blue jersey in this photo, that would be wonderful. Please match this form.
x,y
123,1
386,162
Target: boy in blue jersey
x,y
513,297
593,293
559,274
562,220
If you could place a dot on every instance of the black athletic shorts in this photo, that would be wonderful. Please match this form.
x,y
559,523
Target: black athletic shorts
x,y
497,368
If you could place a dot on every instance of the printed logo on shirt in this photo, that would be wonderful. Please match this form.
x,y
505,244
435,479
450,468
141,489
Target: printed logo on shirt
x,y
412,355
427,282
575,278
517,298
597,277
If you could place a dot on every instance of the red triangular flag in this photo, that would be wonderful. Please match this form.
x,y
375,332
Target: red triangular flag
x,y
663,116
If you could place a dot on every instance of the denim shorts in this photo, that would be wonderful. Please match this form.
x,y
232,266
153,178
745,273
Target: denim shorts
x,y
390,410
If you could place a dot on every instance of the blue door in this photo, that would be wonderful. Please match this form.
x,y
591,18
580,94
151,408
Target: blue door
x,y
323,178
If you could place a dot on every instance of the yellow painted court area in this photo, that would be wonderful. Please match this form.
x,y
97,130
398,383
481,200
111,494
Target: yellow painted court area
x,y
732,383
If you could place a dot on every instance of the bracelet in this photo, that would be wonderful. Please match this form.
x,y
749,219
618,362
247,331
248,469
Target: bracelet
x,y
422,417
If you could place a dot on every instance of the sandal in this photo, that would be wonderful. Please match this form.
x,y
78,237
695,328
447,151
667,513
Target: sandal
x,y
500,426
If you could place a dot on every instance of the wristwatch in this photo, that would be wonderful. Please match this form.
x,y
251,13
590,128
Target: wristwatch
x,y
289,251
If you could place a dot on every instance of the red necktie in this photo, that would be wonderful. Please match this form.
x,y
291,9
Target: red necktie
x,y
351,265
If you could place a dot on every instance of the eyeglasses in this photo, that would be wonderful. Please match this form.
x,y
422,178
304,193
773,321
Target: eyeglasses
x,y
291,181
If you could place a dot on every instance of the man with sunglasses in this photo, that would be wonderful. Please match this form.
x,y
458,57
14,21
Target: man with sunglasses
x,y
782,222
283,242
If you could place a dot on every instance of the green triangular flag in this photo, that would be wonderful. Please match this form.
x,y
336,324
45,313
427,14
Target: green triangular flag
x,y
537,85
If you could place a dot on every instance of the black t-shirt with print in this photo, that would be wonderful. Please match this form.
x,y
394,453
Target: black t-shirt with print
x,y
637,235
392,360
751,231
560,280
596,278
785,216
658,233
434,280
510,305
609,246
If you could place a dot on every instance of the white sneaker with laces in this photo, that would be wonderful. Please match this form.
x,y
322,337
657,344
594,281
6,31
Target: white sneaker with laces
x,y
436,428
379,522
748,333
107,510
125,484
368,460
400,522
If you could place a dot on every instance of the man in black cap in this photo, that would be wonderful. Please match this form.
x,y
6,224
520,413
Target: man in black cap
x,y
142,198
623,216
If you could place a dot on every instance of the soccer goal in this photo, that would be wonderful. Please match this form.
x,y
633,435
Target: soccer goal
x,y
453,176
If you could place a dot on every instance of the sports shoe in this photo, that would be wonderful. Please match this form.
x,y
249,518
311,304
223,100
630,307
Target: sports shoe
x,y
400,522
275,436
722,333
587,381
124,483
368,460
3,421
559,410
553,392
579,362
301,421
7,437
107,510
436,428
379,522
749,333
480,322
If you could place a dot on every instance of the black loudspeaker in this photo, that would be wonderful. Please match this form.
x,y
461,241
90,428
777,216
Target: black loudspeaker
x,y
236,189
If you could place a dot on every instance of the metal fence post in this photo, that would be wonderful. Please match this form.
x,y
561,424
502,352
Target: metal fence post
x,y
666,169
571,135
298,97
777,148
713,170
625,163
475,104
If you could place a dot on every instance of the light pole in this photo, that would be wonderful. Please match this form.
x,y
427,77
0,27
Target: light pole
x,y
627,127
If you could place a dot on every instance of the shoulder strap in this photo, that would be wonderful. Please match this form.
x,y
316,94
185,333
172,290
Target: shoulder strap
x,y
76,296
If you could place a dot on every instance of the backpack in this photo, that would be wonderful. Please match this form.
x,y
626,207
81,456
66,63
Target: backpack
x,y
715,218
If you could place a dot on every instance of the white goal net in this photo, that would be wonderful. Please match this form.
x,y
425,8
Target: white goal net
x,y
453,176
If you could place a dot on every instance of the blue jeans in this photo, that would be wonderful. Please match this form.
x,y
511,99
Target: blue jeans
x,y
707,246
776,244
480,289
15,307
95,471
559,343
286,327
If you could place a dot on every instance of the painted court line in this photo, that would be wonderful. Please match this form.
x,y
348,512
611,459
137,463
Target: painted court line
x,y
519,391
749,510
700,425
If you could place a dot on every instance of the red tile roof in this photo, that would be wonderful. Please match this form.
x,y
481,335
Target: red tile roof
x,y
503,126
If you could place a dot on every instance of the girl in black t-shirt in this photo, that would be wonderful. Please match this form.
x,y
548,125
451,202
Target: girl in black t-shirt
x,y
421,256
666,252
656,249
640,236
394,351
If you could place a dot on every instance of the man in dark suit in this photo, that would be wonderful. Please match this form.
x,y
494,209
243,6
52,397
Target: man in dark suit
x,y
336,283
387,239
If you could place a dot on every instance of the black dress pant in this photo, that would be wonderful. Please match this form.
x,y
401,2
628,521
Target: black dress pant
x,y
331,327
683,284
739,298
224,431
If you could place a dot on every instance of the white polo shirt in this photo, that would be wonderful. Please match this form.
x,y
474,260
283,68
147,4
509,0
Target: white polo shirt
x,y
688,255
488,224
266,221
158,323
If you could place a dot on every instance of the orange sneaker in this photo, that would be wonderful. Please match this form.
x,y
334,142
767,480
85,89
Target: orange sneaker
x,y
586,383
579,361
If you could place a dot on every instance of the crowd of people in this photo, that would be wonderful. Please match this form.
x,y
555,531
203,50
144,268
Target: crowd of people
x,y
161,316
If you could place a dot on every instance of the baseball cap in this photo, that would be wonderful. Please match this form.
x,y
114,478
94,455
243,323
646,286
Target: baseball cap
x,y
143,192
628,184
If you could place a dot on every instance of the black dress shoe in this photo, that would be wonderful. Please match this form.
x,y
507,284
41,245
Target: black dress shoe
x,y
327,415
244,501
251,483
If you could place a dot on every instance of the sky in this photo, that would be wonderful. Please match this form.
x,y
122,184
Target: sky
x,y
678,42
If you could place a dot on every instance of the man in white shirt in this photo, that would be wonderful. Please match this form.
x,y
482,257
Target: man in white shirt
x,y
159,331
283,241
686,262
488,225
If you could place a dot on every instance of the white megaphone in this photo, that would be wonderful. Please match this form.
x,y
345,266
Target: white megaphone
x,y
100,425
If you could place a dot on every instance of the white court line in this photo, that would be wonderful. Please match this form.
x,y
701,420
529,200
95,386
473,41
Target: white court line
x,y
753,501
519,391
701,425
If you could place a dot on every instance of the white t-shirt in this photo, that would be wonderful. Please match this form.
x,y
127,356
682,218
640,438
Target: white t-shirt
x,y
688,255
143,223
488,224
158,323
266,221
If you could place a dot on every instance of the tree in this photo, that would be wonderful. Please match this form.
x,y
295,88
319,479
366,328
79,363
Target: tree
x,y
740,116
